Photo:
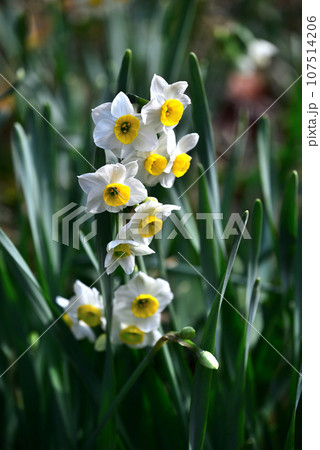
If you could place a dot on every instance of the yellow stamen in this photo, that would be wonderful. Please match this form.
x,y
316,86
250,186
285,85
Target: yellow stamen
x,y
67,320
126,128
181,165
116,194
171,112
144,306
150,226
121,251
89,314
155,164
132,335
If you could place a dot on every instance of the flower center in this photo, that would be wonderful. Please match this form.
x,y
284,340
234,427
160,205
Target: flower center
x,y
150,226
89,314
132,335
171,112
116,194
126,129
121,251
181,165
67,320
155,164
144,306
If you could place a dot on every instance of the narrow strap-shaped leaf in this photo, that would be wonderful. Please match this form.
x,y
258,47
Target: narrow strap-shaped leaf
x,y
256,232
122,84
23,277
202,379
206,147
177,28
264,157
289,445
210,253
289,227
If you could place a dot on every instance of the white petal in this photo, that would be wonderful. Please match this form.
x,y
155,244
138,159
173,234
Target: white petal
x,y
127,264
63,302
157,86
131,169
81,330
121,106
184,99
148,324
90,181
167,180
112,173
147,140
95,203
138,192
142,249
113,263
172,90
103,134
101,112
188,142
151,114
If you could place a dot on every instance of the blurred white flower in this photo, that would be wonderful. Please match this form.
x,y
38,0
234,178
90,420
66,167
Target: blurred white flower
x,y
112,188
261,52
122,252
258,57
131,335
141,301
167,104
121,130
83,311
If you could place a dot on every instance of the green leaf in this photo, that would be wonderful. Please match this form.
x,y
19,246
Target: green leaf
x,y
210,254
177,28
288,228
124,71
256,232
206,147
289,445
24,278
264,156
202,378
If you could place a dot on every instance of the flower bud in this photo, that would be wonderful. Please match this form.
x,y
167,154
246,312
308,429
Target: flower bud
x,y
100,344
207,359
187,333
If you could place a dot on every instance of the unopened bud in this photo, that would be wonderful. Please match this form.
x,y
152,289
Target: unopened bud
x,y
100,344
187,333
208,360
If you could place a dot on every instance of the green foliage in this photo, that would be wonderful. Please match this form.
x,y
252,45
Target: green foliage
x,y
244,301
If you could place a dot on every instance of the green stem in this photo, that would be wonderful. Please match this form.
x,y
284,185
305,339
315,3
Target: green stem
x,y
126,388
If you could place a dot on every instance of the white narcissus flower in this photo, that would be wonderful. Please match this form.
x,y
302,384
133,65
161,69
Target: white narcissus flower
x,y
141,301
179,161
112,188
152,164
122,252
167,161
167,104
121,130
131,335
261,51
148,218
83,311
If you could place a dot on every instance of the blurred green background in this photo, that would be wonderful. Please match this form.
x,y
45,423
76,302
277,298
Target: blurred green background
x,y
64,58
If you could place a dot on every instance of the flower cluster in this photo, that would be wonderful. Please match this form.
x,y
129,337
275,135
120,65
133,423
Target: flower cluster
x,y
145,145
